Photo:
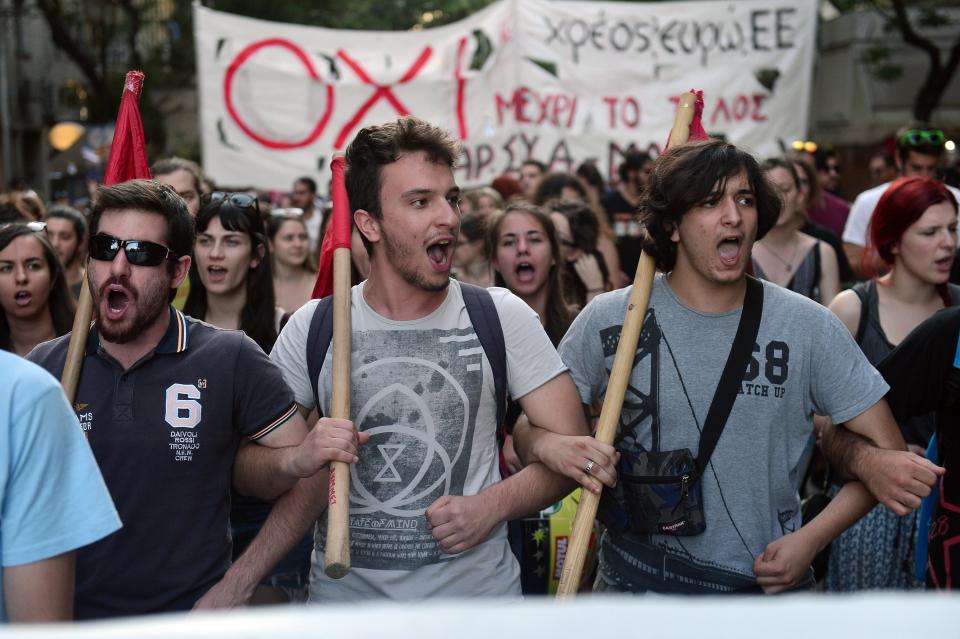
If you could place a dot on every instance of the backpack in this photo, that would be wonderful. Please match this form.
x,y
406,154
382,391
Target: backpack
x,y
483,315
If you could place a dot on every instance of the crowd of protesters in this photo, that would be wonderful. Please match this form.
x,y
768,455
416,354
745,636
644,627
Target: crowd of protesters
x,y
559,248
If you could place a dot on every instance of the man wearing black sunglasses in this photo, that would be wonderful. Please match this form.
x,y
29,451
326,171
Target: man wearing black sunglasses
x,y
165,402
920,150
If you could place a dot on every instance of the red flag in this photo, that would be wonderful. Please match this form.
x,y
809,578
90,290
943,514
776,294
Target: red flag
x,y
128,152
697,131
338,230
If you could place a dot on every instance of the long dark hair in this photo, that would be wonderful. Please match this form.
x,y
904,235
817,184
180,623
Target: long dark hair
x,y
558,315
258,317
585,230
60,302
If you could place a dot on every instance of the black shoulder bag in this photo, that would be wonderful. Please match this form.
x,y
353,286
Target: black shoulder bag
x,y
662,490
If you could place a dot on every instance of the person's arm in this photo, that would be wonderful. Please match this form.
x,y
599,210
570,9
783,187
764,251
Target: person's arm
x,y
784,562
41,591
289,520
568,455
582,352
269,466
281,448
461,522
829,274
898,479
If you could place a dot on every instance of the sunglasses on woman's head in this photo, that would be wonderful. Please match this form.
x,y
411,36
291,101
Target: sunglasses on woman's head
x,y
36,227
236,200
105,247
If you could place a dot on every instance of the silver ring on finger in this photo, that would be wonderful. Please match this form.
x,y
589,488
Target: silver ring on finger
x,y
588,469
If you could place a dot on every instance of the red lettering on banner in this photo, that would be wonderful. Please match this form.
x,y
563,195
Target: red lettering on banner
x,y
738,109
741,107
461,88
384,91
625,111
240,60
526,106
758,100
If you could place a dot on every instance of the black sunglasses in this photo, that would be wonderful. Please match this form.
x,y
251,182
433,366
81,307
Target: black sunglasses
x,y
139,252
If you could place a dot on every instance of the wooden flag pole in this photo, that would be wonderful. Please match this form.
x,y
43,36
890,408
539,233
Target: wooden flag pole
x,y
337,553
78,343
125,163
619,377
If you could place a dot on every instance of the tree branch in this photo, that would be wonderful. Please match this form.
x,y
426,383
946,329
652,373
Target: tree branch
x,y
911,37
952,62
53,15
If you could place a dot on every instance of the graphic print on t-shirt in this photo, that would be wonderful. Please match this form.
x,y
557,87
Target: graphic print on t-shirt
x,y
416,393
638,404
766,374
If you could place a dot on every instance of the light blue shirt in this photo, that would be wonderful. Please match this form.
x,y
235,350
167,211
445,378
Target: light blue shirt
x,y
52,497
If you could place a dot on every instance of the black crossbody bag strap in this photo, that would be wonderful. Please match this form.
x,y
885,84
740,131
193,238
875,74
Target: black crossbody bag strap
x,y
729,386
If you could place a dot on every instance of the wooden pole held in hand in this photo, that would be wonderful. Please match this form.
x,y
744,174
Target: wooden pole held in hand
x,y
337,554
619,378
78,343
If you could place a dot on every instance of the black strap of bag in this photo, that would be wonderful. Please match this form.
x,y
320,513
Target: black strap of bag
x,y
732,376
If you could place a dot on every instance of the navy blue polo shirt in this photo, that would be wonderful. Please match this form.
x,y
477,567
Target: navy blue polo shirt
x,y
165,433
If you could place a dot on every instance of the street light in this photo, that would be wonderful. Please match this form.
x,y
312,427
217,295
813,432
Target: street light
x,y
63,135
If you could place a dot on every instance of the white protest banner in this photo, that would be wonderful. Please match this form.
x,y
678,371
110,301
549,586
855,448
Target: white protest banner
x,y
561,82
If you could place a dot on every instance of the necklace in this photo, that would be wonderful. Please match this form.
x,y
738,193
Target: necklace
x,y
787,264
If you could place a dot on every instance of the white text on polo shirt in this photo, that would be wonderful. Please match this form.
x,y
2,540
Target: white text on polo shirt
x,y
182,411
84,417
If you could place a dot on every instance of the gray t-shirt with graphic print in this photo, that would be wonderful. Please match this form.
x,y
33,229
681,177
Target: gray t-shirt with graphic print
x,y
424,391
804,361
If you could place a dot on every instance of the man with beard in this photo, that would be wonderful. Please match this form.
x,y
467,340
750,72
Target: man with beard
x,y
730,522
67,231
428,508
165,401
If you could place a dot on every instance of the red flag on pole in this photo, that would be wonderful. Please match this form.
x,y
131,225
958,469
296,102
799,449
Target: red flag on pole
x,y
697,131
128,151
128,161
338,230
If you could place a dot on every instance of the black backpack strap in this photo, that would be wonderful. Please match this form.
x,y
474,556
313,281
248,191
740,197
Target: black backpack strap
x,y
318,341
733,371
862,291
486,322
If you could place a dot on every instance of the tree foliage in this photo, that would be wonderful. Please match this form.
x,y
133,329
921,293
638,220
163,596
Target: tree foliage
x,y
370,15
908,20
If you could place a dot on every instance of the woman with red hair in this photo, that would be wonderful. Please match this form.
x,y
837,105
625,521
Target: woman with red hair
x,y
914,232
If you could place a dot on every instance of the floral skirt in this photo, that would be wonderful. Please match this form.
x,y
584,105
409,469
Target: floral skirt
x,y
876,553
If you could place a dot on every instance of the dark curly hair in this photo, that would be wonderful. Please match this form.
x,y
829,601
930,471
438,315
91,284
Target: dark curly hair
x,y
376,146
688,175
